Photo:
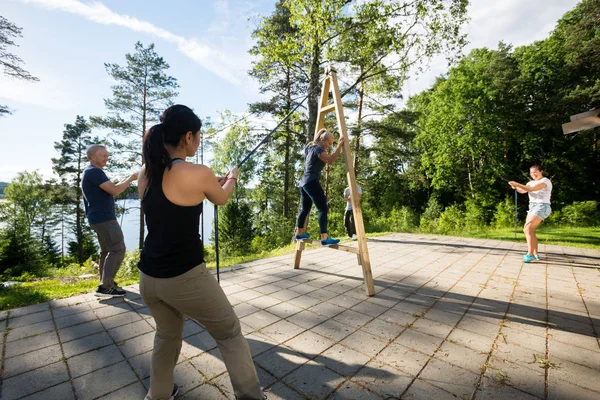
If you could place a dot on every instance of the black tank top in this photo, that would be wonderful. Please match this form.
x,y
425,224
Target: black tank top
x,y
173,245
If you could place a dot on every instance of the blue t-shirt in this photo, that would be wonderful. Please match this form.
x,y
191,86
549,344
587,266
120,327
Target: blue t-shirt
x,y
313,165
99,205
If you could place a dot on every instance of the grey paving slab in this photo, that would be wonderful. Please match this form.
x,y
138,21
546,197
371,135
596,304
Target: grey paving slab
x,y
452,317
34,381
103,381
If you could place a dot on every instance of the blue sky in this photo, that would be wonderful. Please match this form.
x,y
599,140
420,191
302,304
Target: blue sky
x,y
65,43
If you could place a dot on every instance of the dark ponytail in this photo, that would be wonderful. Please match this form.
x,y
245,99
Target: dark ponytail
x,y
176,121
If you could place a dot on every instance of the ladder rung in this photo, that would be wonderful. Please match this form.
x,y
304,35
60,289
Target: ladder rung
x,y
342,247
327,108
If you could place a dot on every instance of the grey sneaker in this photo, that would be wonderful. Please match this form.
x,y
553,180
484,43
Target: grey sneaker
x,y
112,292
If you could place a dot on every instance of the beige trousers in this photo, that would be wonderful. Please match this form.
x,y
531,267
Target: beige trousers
x,y
196,294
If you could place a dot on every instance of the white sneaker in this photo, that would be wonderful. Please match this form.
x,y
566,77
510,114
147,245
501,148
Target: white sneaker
x,y
354,237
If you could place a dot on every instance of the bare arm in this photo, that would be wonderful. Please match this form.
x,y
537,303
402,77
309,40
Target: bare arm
x,y
218,190
117,189
525,189
330,158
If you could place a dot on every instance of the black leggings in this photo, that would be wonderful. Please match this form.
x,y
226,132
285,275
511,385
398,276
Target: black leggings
x,y
312,192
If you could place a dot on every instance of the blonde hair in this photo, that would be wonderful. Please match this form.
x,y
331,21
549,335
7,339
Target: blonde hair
x,y
321,135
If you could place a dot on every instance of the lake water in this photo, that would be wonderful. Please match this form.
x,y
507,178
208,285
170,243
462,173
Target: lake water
x,y
130,223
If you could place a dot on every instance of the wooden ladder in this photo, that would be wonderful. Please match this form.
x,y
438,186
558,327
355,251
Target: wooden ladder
x,y
362,252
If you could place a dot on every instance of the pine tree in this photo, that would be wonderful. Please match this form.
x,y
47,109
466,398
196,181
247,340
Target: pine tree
x,y
143,90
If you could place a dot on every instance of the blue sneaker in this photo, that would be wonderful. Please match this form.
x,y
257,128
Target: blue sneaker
x,y
303,236
528,258
537,257
329,241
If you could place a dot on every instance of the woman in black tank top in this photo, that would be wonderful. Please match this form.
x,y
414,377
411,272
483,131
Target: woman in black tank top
x,y
174,280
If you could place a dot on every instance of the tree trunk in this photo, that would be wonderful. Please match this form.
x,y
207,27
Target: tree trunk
x,y
286,161
360,107
313,98
78,210
144,121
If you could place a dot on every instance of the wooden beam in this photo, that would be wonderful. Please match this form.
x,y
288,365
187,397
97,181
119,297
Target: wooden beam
x,y
592,113
581,124
327,109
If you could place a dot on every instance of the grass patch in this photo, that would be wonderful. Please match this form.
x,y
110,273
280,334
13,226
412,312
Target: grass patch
x,y
43,290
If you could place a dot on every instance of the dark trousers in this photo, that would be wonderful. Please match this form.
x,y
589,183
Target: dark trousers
x,y
310,193
349,223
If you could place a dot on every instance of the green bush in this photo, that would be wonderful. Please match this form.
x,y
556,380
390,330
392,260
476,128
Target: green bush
x,y
474,218
581,213
429,218
504,217
403,219
451,220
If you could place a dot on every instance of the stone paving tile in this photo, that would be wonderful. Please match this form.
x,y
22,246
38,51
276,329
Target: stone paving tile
x,y
86,344
210,363
259,319
281,360
85,363
19,312
343,360
79,331
206,391
128,331
365,343
33,381
29,330
282,331
423,285
35,359
64,391
493,390
529,379
423,390
351,390
313,381
279,391
103,381
134,391
29,319
333,330
403,358
31,343
383,379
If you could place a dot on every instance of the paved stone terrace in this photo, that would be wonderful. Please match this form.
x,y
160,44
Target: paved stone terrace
x,y
451,318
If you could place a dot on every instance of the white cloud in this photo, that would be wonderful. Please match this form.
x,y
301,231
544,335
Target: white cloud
x,y
212,59
9,171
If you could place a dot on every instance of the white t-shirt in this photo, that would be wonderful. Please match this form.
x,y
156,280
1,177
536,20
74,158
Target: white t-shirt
x,y
347,194
543,195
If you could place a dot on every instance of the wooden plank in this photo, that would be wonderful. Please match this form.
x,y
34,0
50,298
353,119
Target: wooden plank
x,y
356,210
580,125
592,113
324,96
298,256
327,109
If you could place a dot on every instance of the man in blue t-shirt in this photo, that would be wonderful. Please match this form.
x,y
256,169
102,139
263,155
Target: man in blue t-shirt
x,y
99,202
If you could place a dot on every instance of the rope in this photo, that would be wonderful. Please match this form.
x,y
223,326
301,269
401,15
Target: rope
x,y
254,150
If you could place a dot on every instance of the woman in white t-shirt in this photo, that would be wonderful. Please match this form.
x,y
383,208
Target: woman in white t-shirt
x,y
539,190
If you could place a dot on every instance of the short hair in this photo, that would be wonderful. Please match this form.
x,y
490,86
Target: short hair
x,y
537,166
93,149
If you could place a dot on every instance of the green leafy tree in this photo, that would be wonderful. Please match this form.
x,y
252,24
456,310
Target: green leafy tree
x,y
142,91
69,167
11,63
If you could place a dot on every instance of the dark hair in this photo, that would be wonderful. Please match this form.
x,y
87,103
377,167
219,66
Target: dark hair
x,y
175,122
537,166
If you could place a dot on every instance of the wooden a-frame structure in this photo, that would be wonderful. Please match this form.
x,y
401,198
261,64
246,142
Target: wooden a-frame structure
x,y
362,252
